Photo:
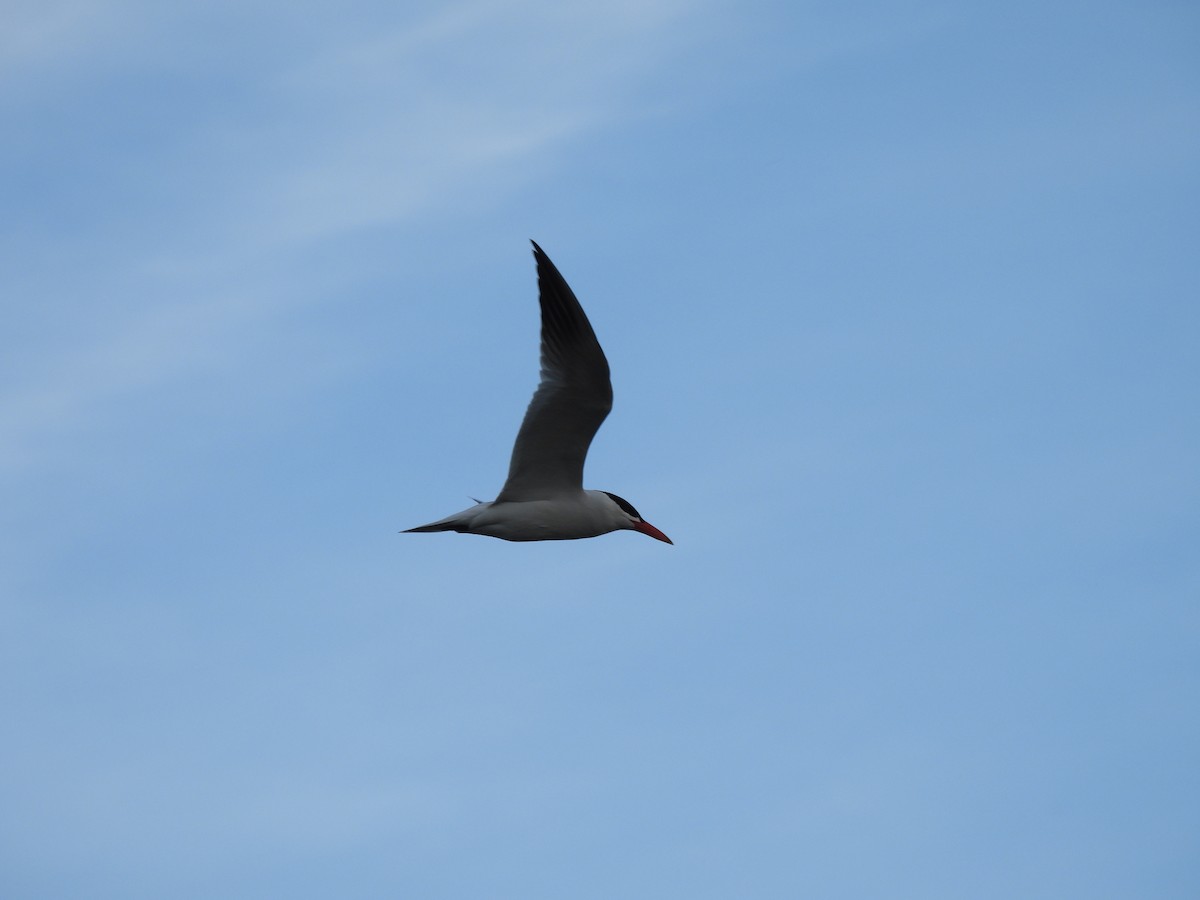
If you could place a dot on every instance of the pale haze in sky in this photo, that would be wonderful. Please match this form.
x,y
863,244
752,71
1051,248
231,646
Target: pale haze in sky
x,y
902,304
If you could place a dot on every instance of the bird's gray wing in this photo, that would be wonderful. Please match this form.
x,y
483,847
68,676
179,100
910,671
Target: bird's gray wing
x,y
571,401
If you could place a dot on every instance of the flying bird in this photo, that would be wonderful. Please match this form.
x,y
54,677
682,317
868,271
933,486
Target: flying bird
x,y
543,498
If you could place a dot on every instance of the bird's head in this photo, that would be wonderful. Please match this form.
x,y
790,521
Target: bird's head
x,y
631,519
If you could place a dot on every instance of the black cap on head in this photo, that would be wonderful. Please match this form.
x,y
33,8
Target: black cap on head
x,y
625,505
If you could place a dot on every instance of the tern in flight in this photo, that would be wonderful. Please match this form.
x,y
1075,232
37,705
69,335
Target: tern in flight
x,y
543,498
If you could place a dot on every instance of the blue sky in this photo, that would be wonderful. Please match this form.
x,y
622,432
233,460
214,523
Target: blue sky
x,y
901,306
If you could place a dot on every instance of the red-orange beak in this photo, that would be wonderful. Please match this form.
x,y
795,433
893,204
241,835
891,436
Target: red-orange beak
x,y
648,529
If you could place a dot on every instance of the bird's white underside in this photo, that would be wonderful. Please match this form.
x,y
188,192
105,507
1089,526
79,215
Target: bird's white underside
x,y
566,517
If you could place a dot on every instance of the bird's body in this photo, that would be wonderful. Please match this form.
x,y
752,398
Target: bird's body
x,y
543,498
563,518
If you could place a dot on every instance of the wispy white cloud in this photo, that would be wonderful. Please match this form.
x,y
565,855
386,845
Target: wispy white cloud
x,y
481,89
365,127
38,34
72,388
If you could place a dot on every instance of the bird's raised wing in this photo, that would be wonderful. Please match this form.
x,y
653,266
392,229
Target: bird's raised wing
x,y
570,403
